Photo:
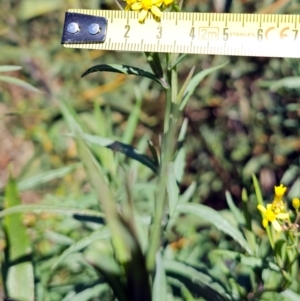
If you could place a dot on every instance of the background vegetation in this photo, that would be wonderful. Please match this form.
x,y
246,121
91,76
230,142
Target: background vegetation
x,y
243,119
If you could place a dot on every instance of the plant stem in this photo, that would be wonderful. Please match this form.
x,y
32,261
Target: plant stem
x,y
167,156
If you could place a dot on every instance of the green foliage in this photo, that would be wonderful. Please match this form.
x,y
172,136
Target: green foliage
x,y
143,191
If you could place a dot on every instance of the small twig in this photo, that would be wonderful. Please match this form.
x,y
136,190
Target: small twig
x,y
119,5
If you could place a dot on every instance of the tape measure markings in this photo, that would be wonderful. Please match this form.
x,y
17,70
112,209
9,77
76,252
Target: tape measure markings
x,y
207,33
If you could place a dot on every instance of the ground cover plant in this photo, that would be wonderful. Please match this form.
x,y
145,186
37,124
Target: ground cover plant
x,y
180,184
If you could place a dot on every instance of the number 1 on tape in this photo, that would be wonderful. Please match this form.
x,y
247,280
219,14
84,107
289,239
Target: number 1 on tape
x,y
198,33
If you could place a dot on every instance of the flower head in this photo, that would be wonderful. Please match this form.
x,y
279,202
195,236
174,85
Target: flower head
x,y
278,206
270,216
145,6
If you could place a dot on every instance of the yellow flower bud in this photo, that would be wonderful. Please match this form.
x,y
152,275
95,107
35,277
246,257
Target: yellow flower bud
x,y
280,190
296,203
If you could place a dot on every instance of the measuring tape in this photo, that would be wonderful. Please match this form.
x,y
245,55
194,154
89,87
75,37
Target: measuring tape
x,y
267,35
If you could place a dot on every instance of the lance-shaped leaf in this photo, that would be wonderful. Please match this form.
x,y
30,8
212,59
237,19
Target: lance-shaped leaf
x,y
153,152
123,148
45,177
18,82
160,281
124,69
8,68
82,244
201,283
17,269
194,82
214,217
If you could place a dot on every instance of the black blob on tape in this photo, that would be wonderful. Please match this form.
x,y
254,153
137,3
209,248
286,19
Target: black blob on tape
x,y
83,35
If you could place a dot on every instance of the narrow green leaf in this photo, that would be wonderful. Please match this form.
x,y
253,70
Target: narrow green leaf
x,y
121,237
258,193
92,293
185,292
251,261
109,268
172,188
18,82
184,86
82,244
49,208
290,82
58,238
20,277
254,165
294,189
212,290
154,62
290,174
233,208
153,152
8,68
214,217
46,177
124,69
104,129
160,281
179,162
260,201
178,61
247,215
194,82
126,149
188,194
133,117
290,295
33,8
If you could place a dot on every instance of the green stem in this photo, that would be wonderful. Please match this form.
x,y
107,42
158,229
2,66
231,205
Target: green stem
x,y
167,155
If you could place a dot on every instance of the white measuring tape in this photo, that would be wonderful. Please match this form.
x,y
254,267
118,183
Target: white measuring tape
x,y
266,35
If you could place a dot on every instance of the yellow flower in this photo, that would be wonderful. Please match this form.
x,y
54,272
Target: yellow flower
x,y
279,191
296,203
270,216
144,6
278,206
129,4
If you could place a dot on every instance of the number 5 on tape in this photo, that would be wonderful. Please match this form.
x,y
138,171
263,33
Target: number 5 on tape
x,y
198,33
